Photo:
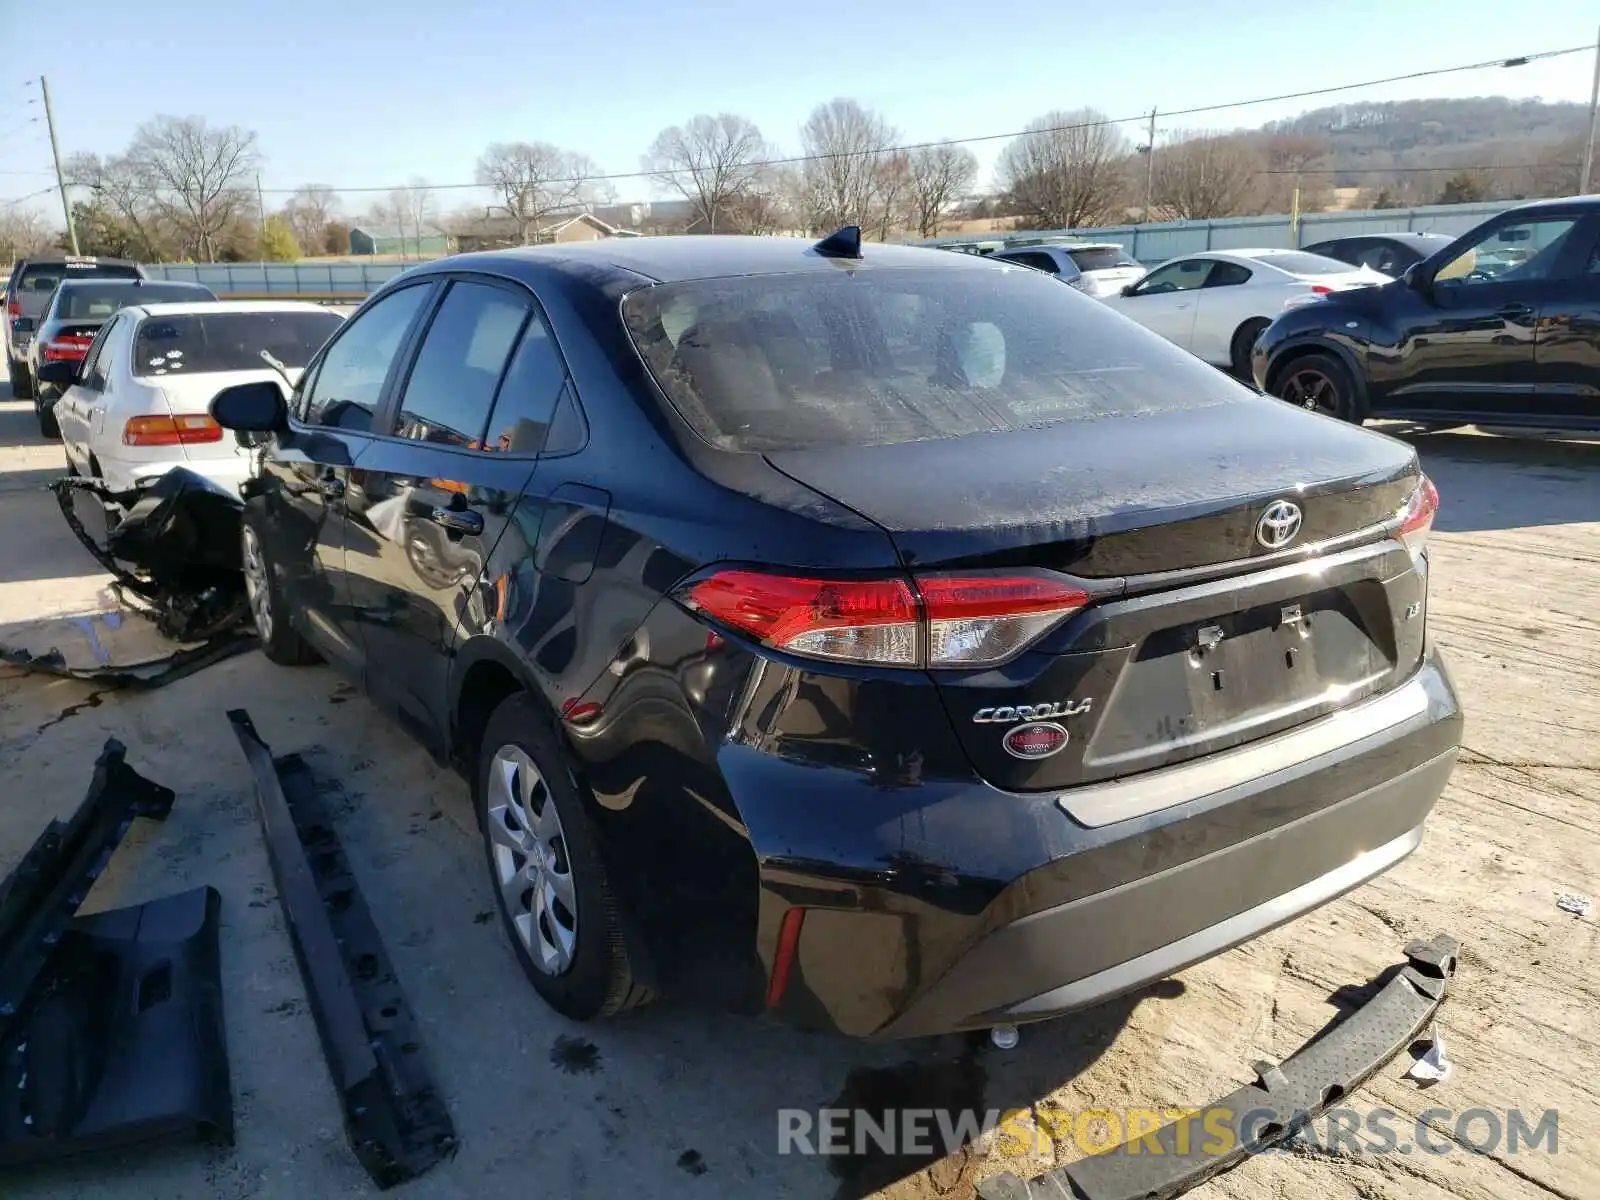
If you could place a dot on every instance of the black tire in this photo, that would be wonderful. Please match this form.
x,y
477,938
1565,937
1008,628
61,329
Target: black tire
x,y
1318,382
1244,341
48,425
597,979
280,641
21,381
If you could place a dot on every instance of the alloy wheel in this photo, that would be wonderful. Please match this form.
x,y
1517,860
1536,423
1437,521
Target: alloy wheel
x,y
1312,389
533,871
256,588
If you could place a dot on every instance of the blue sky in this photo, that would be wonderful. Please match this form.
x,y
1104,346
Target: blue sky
x,y
360,93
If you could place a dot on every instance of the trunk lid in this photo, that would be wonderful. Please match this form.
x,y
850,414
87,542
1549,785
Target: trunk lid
x,y
1204,638
186,395
1123,496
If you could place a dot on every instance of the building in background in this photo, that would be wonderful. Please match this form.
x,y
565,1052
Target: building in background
x,y
368,238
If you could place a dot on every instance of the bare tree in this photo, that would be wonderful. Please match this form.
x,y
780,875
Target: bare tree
x,y
1293,161
536,179
1211,175
842,178
940,176
196,175
711,160
120,191
771,203
310,211
22,232
414,208
1066,170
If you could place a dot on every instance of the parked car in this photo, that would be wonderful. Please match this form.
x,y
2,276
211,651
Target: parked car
x,y
874,647
74,314
1097,269
1389,253
1215,304
29,288
135,406
1499,328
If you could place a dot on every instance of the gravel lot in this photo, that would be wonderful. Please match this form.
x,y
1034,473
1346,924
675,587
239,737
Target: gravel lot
x,y
673,1102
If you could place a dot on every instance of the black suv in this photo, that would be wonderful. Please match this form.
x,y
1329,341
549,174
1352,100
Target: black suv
x,y
1500,327
1390,253
876,636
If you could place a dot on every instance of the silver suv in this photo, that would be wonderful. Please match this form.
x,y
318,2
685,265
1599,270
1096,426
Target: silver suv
x,y
1094,268
33,281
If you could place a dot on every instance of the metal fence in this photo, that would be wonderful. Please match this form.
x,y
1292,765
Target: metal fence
x,y
342,281
1159,241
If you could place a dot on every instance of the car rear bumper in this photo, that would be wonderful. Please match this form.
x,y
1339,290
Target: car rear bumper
x,y
124,474
937,943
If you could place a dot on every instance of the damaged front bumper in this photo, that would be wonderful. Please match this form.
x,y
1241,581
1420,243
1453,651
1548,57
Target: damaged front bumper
x,y
1283,1100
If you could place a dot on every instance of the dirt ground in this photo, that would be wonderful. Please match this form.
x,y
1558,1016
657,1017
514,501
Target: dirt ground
x,y
673,1102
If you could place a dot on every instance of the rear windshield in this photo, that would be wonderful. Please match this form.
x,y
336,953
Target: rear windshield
x,y
43,277
1298,262
198,342
1101,258
871,358
95,302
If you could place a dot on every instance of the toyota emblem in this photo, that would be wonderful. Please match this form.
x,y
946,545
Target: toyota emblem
x,y
1279,525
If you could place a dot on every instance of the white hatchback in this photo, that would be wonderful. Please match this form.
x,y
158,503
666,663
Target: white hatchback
x,y
137,406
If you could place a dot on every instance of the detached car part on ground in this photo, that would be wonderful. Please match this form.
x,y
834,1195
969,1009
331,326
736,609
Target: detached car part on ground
x,y
111,1029
885,639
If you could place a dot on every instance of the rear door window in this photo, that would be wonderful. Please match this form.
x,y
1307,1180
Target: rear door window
x,y
526,402
1038,260
1100,258
351,374
818,359
459,365
1227,274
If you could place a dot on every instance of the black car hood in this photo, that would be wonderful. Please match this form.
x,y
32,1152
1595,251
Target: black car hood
x,y
1119,495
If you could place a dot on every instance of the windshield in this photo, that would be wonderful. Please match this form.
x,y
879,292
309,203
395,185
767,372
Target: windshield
x,y
869,358
1297,262
193,343
1101,258
95,302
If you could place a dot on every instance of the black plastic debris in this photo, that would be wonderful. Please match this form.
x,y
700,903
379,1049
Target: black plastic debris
x,y
396,1120
110,1025
1283,1100
172,548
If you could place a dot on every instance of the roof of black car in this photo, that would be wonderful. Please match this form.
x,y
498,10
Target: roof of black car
x,y
99,281
668,259
1563,204
49,260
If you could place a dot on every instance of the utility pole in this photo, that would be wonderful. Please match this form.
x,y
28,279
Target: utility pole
x,y
1594,120
55,152
1150,167
261,209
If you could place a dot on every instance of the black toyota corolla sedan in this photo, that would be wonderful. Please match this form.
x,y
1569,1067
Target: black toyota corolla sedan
x,y
894,641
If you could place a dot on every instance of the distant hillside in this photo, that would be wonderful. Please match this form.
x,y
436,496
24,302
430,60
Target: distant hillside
x,y
1383,145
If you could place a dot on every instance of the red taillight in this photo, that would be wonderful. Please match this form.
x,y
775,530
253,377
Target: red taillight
x,y
1318,290
949,620
1416,517
783,959
194,429
65,348
14,309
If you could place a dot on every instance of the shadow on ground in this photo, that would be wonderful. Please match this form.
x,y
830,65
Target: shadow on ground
x,y
1500,482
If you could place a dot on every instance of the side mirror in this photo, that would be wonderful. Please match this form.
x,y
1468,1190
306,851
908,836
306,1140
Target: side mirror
x,y
24,325
1417,278
1127,288
61,371
251,408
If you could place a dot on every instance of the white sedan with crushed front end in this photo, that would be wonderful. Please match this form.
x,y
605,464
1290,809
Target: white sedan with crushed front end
x,y
136,405
1215,304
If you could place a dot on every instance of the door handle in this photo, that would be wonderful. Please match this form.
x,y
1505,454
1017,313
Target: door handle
x,y
458,520
1515,309
331,486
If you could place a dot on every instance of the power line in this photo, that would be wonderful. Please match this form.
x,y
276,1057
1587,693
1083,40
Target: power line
x,y
793,160
16,129
29,196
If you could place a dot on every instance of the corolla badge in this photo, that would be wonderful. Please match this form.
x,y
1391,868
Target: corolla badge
x,y
1032,712
1279,524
